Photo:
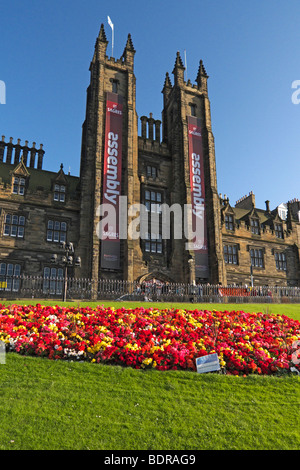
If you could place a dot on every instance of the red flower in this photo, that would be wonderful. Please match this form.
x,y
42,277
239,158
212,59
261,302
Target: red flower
x,y
165,339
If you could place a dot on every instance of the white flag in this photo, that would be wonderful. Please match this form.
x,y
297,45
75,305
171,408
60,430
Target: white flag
x,y
110,22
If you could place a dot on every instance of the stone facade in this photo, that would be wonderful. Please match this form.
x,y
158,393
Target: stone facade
x,y
261,232
38,208
34,214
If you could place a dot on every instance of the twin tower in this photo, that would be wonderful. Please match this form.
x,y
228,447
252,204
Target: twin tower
x,y
170,165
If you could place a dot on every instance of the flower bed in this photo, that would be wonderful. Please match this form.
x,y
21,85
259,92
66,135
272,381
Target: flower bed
x,y
246,343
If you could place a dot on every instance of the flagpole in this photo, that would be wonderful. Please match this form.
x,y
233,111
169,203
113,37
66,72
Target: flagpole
x,y
112,29
185,64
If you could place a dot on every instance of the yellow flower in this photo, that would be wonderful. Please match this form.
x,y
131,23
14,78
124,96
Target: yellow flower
x,y
133,347
147,361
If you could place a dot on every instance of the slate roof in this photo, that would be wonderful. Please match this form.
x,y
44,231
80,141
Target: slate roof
x,y
39,179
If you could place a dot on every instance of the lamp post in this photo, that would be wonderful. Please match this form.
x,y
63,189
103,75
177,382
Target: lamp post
x,y
191,264
251,275
67,260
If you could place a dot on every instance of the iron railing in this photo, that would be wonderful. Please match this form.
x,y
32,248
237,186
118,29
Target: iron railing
x,y
39,287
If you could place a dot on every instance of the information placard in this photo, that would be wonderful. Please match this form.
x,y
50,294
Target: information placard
x,y
209,363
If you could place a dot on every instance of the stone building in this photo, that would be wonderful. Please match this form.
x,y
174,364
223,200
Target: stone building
x,y
261,239
169,167
38,209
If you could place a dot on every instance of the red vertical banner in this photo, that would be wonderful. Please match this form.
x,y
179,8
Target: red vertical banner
x,y
112,178
197,183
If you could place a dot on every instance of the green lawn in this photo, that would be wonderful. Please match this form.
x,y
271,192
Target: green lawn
x,y
61,405
66,405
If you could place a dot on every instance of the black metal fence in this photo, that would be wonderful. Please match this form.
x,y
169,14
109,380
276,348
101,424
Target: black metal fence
x,y
30,287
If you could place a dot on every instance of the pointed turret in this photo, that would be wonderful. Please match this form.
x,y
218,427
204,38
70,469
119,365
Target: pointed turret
x,y
101,44
102,35
166,92
129,45
129,51
178,62
167,84
167,88
178,70
202,77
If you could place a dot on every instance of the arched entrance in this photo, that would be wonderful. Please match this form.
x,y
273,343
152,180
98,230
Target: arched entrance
x,y
153,285
155,276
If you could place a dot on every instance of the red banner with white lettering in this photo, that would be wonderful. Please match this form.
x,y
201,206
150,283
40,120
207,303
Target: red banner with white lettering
x,y
197,183
112,178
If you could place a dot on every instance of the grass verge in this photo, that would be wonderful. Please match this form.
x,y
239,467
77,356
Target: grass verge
x,y
59,405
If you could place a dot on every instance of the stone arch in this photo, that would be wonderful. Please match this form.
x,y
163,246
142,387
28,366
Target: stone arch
x,y
159,276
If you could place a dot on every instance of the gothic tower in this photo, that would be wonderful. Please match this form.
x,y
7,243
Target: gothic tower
x,y
108,160
187,124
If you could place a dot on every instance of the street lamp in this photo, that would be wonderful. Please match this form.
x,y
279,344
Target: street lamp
x,y
191,264
67,260
251,274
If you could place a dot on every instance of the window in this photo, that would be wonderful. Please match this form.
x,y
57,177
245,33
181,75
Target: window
x,y
18,185
59,192
280,261
151,171
254,224
56,231
230,254
153,243
256,256
14,226
193,109
229,222
153,201
115,86
10,276
53,281
278,230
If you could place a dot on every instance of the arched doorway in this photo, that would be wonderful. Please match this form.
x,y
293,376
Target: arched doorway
x,y
153,285
156,276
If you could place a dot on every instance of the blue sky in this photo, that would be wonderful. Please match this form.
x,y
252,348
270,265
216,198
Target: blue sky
x,y
250,51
